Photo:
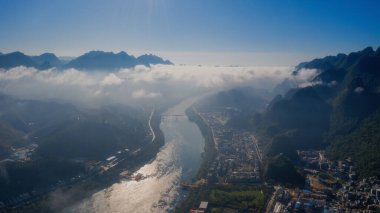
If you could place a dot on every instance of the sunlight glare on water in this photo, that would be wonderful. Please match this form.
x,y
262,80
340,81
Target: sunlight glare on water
x,y
159,190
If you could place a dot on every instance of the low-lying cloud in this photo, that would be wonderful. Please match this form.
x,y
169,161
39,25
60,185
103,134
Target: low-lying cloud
x,y
306,77
136,86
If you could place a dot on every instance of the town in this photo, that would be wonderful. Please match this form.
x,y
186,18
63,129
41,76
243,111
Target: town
x,y
238,156
330,187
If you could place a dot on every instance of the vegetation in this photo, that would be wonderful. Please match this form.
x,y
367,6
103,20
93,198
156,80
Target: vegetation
x,y
91,134
22,177
240,198
67,137
240,102
224,197
95,135
340,112
297,121
9,137
362,145
40,174
280,169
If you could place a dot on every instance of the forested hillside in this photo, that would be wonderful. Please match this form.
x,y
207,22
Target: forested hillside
x,y
338,111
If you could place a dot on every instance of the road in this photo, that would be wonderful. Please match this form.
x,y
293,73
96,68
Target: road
x,y
258,151
150,126
272,200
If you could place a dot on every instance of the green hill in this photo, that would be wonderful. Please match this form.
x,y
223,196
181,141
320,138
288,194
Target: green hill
x,y
67,136
67,131
339,112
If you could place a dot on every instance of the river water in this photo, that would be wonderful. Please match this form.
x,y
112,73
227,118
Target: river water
x,y
179,159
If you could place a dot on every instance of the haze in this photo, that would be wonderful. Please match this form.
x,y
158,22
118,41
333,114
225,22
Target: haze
x,y
189,106
258,33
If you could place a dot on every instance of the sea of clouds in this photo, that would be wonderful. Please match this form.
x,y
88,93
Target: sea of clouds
x,y
140,85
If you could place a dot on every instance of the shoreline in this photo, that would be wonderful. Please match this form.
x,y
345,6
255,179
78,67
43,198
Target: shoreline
x,y
201,192
74,193
208,156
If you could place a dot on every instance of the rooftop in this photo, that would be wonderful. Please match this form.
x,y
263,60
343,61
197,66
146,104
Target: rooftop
x,y
203,205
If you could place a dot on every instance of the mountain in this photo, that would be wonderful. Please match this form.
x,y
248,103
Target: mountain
x,y
9,137
66,59
68,138
281,169
15,59
149,59
284,87
50,124
339,111
240,102
47,60
245,98
93,60
99,60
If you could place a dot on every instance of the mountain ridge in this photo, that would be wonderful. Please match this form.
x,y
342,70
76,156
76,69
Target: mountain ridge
x,y
340,112
92,60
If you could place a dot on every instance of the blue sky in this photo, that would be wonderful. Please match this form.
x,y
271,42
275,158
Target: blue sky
x,y
192,31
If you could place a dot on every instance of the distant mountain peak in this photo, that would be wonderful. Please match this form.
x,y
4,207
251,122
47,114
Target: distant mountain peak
x,y
47,60
15,59
333,68
122,53
100,60
150,59
18,53
92,60
48,54
367,50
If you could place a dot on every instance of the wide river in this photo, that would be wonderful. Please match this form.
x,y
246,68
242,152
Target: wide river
x,y
179,159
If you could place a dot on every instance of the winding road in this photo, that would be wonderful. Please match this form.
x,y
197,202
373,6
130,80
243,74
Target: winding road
x,y
150,126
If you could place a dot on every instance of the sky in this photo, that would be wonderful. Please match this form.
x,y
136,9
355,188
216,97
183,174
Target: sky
x,y
228,32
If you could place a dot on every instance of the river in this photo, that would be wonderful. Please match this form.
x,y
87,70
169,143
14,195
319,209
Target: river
x,y
179,159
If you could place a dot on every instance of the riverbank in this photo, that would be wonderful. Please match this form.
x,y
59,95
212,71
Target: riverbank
x,y
221,189
159,188
63,197
209,155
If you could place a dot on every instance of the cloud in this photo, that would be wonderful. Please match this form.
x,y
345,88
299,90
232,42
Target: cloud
x,y
309,84
359,90
144,94
306,74
136,86
305,77
111,79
